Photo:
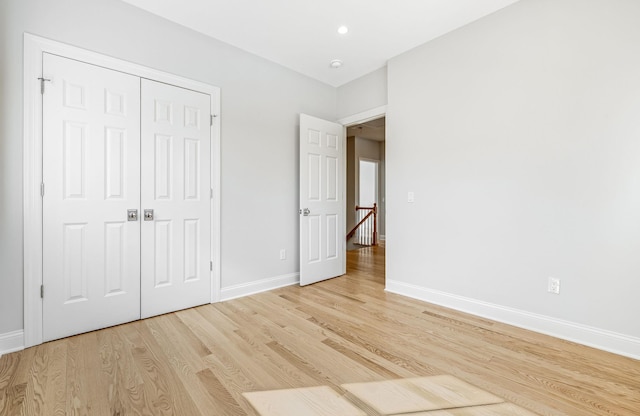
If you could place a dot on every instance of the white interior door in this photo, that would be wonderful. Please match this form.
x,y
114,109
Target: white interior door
x,y
91,175
176,177
322,208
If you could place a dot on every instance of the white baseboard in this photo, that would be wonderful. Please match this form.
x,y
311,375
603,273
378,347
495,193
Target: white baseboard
x,y
383,238
251,288
11,342
582,334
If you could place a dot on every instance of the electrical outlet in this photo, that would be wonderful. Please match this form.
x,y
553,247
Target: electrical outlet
x,y
554,286
411,197
283,254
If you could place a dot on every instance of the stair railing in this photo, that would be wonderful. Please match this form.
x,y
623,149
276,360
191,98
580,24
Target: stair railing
x,y
367,227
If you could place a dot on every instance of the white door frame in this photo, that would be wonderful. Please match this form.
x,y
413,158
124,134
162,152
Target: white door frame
x,y
353,120
34,47
363,117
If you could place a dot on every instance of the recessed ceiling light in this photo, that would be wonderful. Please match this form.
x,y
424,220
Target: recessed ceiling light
x,y
335,64
343,30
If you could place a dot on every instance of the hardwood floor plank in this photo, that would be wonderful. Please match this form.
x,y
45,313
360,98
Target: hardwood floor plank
x,y
22,362
8,369
12,400
224,403
54,400
37,381
170,395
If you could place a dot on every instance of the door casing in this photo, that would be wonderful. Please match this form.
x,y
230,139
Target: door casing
x,y
34,47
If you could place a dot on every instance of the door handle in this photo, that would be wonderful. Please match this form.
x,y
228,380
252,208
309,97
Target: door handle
x,y
132,215
304,212
148,215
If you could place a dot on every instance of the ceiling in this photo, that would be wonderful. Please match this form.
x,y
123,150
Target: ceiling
x,y
302,34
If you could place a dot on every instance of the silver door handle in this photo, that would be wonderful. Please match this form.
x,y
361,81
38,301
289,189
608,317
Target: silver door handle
x,y
148,215
305,212
132,215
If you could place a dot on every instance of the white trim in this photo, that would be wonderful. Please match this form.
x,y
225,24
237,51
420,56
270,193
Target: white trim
x,y
343,172
363,117
582,334
258,286
11,342
383,238
32,202
34,47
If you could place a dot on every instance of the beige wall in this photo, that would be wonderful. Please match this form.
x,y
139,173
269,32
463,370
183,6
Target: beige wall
x,y
520,136
362,94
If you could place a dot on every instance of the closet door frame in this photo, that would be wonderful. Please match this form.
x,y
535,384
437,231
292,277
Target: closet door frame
x,y
34,47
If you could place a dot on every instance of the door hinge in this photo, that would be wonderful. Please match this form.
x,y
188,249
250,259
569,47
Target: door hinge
x,y
211,119
42,81
211,193
42,291
211,266
42,189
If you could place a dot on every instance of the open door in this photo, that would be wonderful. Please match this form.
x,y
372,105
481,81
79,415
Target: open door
x,y
322,208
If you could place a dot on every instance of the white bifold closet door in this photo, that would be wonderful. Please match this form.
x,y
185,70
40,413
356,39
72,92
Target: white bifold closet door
x,y
176,244
91,174
113,143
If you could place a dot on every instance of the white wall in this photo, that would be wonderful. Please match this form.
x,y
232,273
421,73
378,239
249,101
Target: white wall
x,y
364,93
260,106
520,136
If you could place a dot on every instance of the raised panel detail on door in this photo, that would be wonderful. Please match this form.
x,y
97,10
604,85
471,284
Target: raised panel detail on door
x,y
315,238
74,95
333,245
191,249
191,117
162,168
114,103
91,172
191,169
315,176
314,137
74,161
74,272
332,178
162,253
114,274
163,112
176,160
114,165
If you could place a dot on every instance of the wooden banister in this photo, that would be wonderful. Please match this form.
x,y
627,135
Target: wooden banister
x,y
373,211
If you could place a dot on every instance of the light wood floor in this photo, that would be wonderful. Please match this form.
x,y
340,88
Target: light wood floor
x,y
346,330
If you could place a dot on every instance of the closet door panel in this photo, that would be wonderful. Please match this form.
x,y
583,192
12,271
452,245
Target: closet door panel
x,y
91,175
176,231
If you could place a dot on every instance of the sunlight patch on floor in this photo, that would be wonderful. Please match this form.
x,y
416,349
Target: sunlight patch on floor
x,y
424,396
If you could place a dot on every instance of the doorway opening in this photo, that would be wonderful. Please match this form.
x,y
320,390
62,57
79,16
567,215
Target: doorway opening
x,y
367,208
365,189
